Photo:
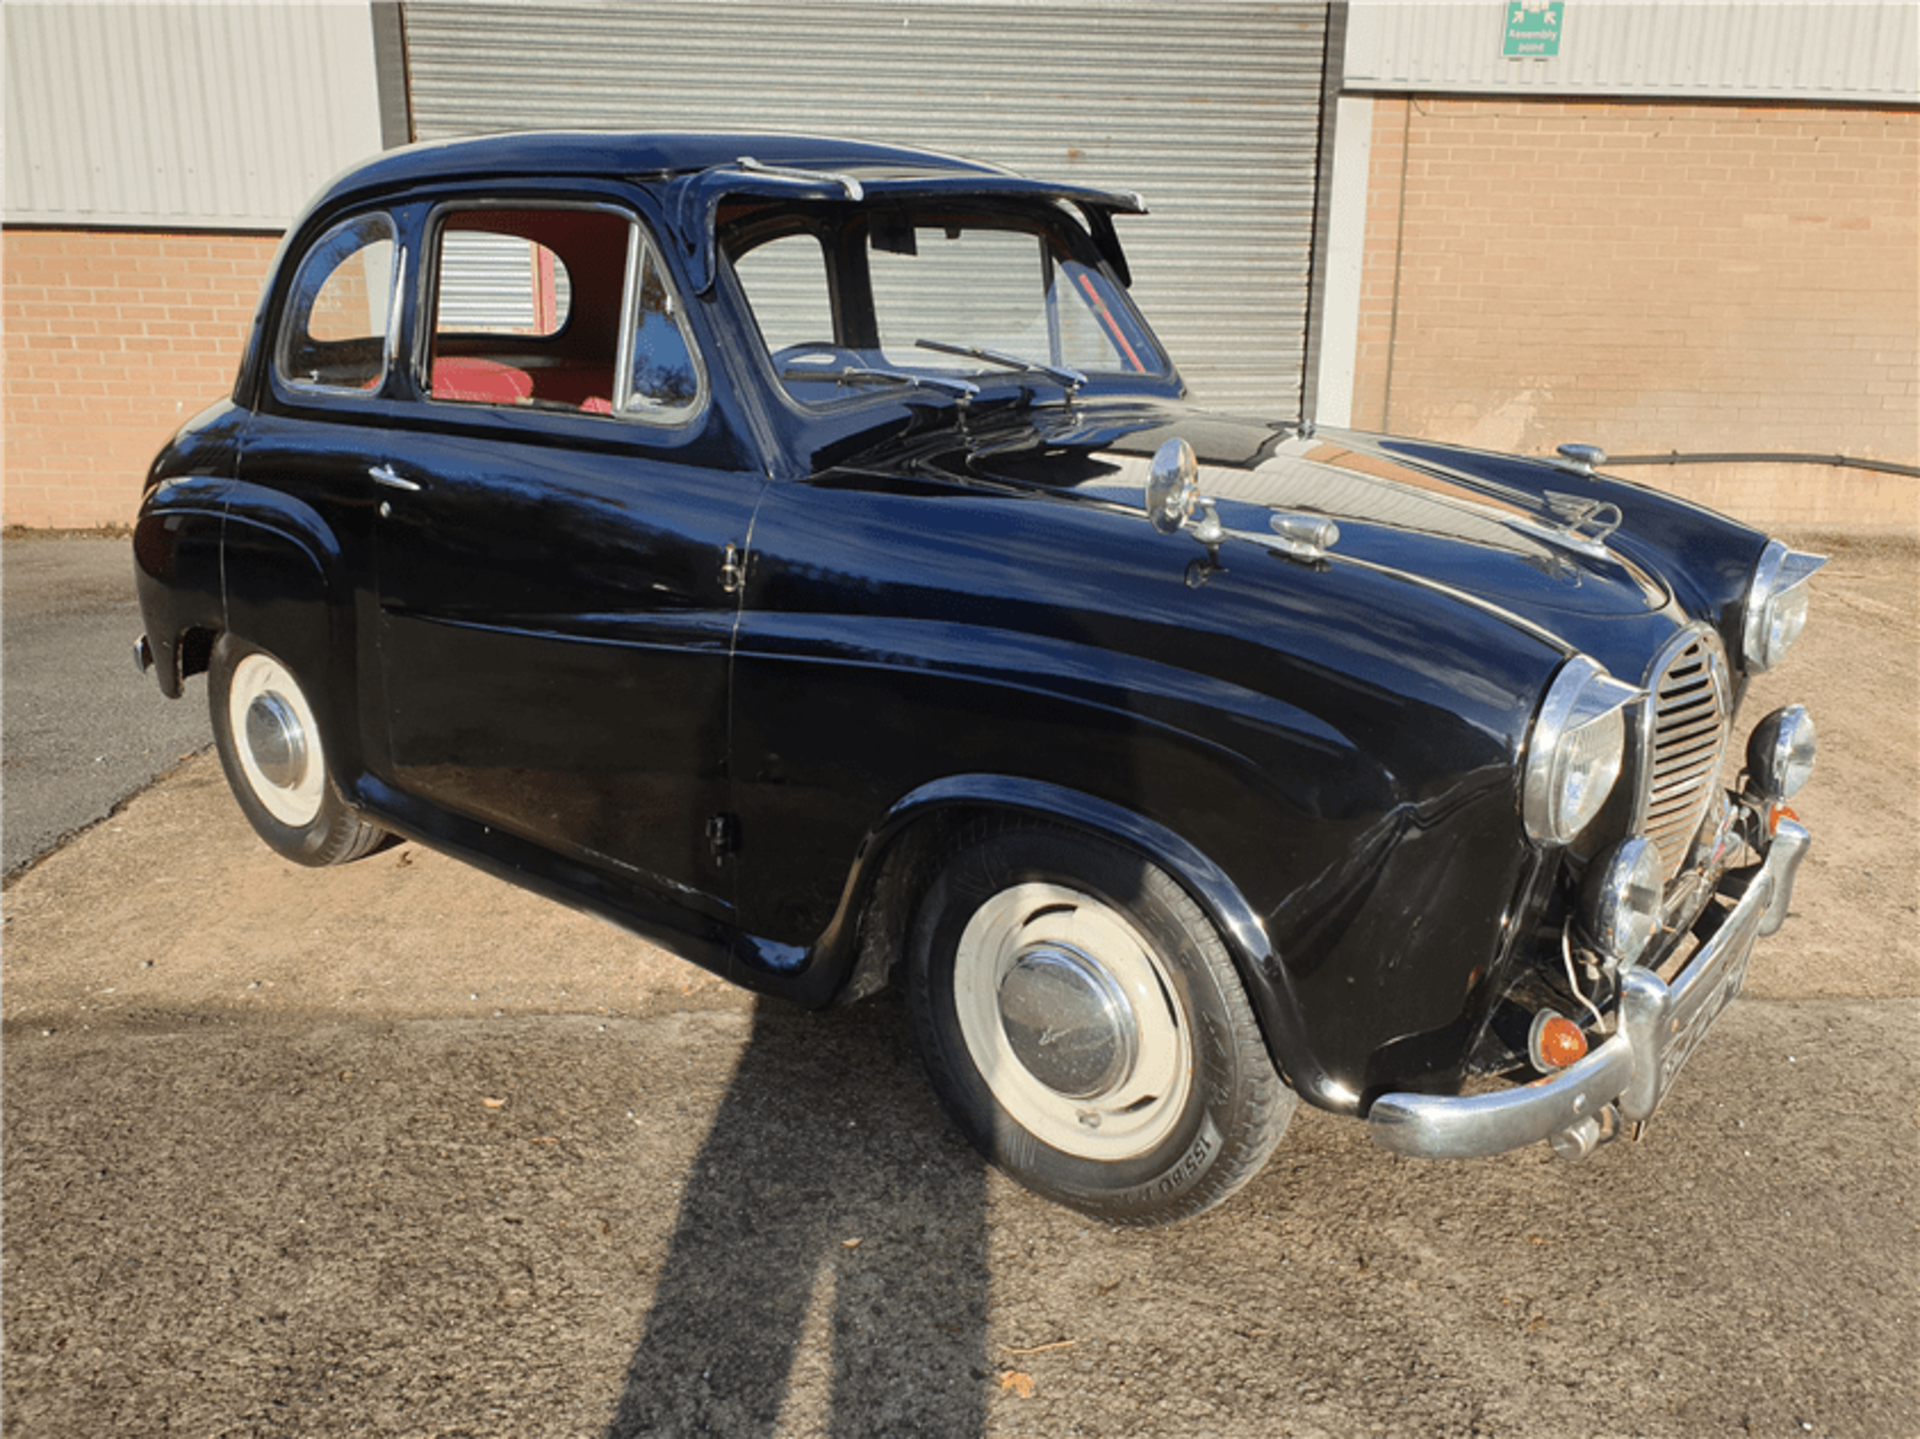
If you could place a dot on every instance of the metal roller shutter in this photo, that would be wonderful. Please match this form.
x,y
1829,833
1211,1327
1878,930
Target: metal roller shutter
x,y
1210,110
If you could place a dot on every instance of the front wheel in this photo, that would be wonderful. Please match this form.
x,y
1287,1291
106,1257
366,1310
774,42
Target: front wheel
x,y
1080,1018
271,747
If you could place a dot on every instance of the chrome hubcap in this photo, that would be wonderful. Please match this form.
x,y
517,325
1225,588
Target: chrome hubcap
x,y
1068,1022
1068,1013
277,741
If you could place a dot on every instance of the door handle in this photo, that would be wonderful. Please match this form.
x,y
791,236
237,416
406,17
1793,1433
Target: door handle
x,y
392,479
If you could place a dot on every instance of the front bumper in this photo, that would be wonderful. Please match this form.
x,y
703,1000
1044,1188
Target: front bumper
x,y
1624,1079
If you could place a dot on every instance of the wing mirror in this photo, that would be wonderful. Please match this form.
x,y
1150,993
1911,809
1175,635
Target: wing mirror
x,y
1174,503
1173,495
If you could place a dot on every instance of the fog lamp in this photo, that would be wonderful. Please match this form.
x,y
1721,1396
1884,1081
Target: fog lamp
x,y
1780,754
1555,1042
1621,901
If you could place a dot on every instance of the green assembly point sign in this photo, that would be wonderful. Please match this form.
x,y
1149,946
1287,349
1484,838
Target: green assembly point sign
x,y
1533,28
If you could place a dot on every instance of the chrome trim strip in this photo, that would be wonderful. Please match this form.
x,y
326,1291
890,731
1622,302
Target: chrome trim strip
x,y
1660,1026
630,319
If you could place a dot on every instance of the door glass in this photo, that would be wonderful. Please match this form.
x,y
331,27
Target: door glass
x,y
530,306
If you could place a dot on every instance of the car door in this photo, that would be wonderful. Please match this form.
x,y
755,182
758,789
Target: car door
x,y
553,537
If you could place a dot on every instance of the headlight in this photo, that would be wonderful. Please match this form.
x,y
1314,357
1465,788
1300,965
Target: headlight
x,y
1780,753
1578,746
1776,604
1621,901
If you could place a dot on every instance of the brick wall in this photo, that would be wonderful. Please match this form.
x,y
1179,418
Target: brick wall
x,y
112,339
1644,277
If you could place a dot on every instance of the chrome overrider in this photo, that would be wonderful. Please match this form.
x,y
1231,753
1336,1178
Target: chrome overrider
x,y
1658,1025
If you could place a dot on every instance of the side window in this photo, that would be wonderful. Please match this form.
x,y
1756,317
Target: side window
x,y
558,308
335,332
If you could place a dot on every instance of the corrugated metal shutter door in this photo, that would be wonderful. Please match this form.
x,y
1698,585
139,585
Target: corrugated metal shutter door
x,y
1210,110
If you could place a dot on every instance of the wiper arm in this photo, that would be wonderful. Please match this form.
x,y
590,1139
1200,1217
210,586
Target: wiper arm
x,y
961,390
1068,379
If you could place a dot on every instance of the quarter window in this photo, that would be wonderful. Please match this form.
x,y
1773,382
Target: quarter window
x,y
666,379
338,327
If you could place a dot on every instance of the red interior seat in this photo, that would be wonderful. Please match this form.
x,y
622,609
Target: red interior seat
x,y
487,382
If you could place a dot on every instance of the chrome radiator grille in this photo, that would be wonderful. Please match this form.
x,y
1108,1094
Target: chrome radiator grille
x,y
1685,740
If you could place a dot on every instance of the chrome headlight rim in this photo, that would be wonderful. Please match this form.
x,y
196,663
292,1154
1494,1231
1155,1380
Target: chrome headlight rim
x,y
1776,609
1562,790
1623,900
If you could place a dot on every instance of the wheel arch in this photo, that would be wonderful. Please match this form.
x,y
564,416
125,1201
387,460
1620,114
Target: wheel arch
x,y
868,934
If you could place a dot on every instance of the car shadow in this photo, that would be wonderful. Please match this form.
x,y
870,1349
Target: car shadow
x,y
828,1270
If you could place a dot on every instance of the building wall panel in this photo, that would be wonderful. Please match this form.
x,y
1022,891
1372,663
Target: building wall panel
x,y
223,116
1651,278
1829,51
1211,110
112,339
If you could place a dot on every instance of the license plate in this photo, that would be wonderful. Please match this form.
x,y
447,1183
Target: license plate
x,y
1703,1004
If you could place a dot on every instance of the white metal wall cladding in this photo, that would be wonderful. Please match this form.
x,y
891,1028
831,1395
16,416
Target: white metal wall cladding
x,y
1210,110
1855,51
214,115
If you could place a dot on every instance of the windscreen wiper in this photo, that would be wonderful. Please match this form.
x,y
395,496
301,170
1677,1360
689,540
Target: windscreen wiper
x,y
1068,379
961,390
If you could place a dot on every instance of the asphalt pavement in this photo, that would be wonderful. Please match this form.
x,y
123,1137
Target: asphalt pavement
x,y
83,729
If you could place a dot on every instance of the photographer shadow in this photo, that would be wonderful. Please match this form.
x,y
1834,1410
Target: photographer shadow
x,y
828,1271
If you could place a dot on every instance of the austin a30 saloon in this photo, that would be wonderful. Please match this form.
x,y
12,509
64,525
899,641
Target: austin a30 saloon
x,y
804,554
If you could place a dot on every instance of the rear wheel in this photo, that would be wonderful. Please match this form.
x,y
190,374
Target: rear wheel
x,y
275,757
1081,1019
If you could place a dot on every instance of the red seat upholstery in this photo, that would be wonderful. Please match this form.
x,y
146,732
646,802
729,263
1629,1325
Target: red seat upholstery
x,y
462,377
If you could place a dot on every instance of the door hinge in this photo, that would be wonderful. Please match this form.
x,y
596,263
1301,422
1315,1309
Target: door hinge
x,y
723,834
733,570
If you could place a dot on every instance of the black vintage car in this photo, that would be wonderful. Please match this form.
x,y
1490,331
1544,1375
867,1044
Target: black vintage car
x,y
803,553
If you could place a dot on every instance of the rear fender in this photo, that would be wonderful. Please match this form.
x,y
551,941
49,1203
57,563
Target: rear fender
x,y
176,567
288,593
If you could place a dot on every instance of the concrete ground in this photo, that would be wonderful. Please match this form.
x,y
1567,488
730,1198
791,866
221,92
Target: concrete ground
x,y
395,1148
83,728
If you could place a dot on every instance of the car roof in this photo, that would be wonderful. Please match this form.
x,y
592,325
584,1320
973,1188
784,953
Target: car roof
x,y
710,165
632,153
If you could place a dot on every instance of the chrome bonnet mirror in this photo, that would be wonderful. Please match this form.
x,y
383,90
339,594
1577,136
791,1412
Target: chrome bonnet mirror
x,y
1173,486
